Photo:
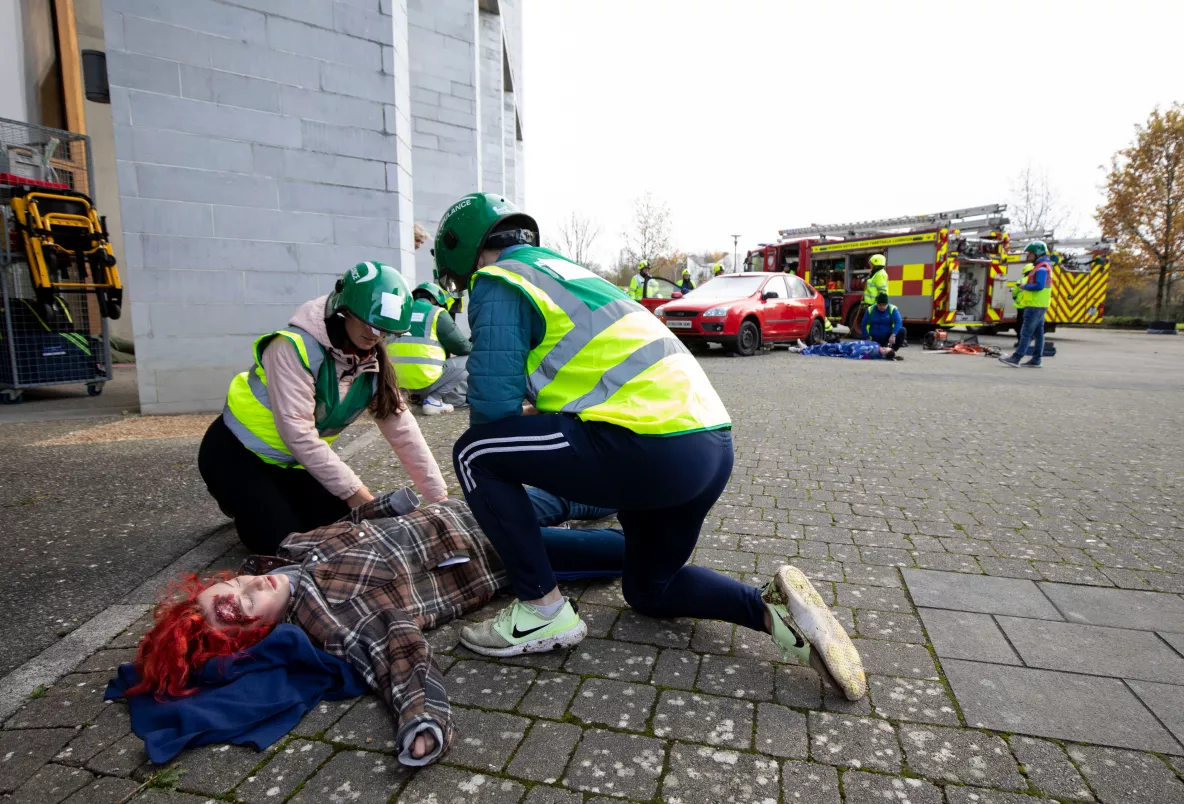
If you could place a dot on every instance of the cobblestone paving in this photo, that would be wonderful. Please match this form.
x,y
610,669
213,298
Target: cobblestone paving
x,y
994,539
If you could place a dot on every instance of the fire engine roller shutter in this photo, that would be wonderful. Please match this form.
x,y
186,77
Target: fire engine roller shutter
x,y
910,278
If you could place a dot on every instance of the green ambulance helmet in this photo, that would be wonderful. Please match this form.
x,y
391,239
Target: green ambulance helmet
x,y
433,290
464,229
375,293
1036,247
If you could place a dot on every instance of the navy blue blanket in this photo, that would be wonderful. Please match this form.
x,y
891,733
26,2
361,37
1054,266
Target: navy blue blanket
x,y
252,698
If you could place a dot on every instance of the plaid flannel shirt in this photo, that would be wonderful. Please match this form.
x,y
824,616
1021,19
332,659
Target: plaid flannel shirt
x,y
371,584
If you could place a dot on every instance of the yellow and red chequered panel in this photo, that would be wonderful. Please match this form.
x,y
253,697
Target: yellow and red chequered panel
x,y
910,280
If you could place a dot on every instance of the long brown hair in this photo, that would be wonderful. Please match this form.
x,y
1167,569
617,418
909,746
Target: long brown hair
x,y
388,400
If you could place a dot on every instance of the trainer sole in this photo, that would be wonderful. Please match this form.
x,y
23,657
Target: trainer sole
x,y
570,637
828,639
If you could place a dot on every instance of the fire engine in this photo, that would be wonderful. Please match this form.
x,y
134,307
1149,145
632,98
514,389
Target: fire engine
x,y
944,269
1080,274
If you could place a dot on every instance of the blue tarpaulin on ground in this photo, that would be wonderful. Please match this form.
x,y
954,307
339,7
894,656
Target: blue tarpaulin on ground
x,y
252,698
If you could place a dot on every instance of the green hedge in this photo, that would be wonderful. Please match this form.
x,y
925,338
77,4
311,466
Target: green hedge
x,y
1125,321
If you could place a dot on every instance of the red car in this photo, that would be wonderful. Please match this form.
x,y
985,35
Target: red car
x,y
742,311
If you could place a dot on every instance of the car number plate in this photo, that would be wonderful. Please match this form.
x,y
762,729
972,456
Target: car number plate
x,y
679,324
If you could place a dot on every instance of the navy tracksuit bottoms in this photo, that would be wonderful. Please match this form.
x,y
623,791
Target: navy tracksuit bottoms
x,y
662,489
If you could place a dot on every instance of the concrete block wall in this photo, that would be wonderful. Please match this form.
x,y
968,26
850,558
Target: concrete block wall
x,y
493,156
459,104
262,148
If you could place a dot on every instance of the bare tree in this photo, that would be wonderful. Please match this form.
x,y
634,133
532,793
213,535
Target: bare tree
x,y
1036,206
649,236
577,236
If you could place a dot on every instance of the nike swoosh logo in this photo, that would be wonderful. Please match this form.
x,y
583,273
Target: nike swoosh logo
x,y
796,635
520,634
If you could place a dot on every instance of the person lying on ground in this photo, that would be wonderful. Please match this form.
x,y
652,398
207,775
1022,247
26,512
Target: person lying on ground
x,y
366,588
852,350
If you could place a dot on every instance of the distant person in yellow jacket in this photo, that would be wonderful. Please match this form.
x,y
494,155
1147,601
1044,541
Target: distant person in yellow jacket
x,y
640,287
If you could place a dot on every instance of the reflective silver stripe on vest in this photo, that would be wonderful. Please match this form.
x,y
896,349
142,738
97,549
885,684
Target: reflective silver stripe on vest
x,y
612,380
588,323
417,341
419,361
253,442
313,348
258,389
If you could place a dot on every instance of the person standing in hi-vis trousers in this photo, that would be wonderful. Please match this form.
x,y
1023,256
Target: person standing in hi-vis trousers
x,y
626,419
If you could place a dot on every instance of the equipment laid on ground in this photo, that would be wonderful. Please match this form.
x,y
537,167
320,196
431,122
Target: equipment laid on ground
x,y
58,278
945,269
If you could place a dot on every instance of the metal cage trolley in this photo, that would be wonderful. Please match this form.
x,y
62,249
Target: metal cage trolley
x,y
59,283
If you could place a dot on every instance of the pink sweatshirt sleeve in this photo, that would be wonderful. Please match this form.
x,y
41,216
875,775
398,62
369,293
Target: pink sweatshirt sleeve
x,y
402,433
293,404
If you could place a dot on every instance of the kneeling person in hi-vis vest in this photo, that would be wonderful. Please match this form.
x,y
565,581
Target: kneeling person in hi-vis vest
x,y
430,360
626,420
267,459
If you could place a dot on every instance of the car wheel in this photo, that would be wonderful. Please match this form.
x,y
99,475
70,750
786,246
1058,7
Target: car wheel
x,y
817,332
748,340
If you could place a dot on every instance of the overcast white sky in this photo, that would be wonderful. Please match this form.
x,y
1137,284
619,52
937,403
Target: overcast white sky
x,y
752,115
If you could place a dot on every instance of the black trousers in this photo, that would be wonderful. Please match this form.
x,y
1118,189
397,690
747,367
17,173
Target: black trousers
x,y
266,502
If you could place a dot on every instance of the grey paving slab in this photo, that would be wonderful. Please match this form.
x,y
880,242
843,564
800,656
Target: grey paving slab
x,y
704,719
781,732
1166,701
809,783
634,627
121,758
1048,768
112,725
438,784
355,776
485,740
712,636
893,626
1121,608
486,684
625,765
367,725
1075,648
1045,703
541,794
617,660
912,699
966,635
51,784
961,755
1175,640
863,596
676,668
104,790
549,695
1127,777
895,659
614,703
212,769
736,677
72,701
290,766
598,619
956,794
860,787
798,686
700,775
854,742
322,717
986,594
544,754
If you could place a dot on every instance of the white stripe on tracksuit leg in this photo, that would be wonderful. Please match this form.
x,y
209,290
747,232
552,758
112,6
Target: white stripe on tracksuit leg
x,y
460,459
467,467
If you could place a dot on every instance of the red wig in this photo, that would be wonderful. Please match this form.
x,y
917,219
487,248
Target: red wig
x,y
182,641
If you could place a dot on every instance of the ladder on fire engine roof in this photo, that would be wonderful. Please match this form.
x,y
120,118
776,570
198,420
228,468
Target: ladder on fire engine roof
x,y
1019,239
970,220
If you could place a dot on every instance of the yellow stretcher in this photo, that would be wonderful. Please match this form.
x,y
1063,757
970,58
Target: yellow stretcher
x,y
67,247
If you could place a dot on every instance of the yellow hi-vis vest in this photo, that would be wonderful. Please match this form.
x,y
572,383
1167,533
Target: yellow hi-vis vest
x,y
877,283
603,356
418,357
248,408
